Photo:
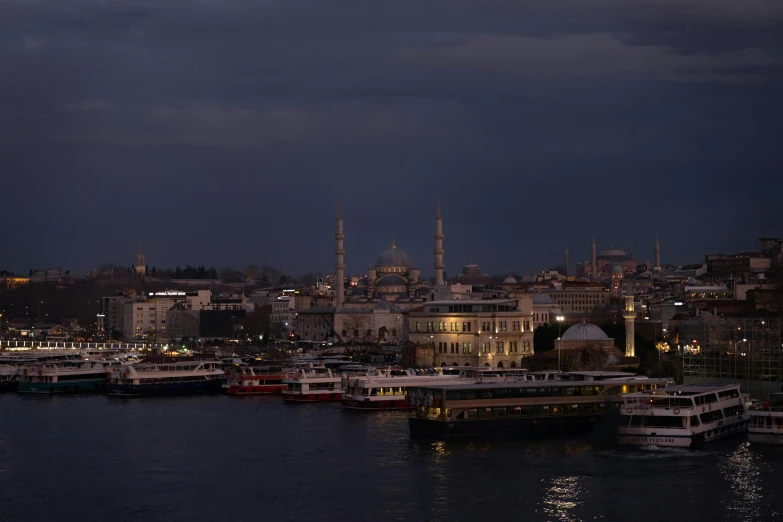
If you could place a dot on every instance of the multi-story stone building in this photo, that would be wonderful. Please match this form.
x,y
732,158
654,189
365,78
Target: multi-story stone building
x,y
480,332
575,302
146,317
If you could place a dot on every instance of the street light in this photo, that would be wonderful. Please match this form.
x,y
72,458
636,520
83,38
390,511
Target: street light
x,y
559,320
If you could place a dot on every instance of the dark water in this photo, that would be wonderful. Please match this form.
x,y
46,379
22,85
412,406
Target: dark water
x,y
256,459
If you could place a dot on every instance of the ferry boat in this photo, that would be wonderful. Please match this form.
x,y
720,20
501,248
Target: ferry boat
x,y
522,406
766,420
255,380
64,377
686,415
316,384
147,379
388,389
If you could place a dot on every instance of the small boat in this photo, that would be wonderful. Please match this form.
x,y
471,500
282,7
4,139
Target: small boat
x,y
685,416
255,380
67,376
315,384
766,420
181,377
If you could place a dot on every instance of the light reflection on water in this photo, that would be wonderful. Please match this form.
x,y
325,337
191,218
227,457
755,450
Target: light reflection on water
x,y
742,469
563,496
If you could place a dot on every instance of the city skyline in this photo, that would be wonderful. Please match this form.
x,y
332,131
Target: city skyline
x,y
221,134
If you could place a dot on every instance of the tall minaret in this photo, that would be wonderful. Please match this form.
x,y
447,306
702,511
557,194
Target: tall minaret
x,y
340,251
141,262
592,261
631,254
566,259
657,254
438,246
629,314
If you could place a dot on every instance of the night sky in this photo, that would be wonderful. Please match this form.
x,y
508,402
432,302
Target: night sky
x,y
220,132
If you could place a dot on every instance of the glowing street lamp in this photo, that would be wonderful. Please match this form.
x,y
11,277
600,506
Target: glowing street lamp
x,y
559,320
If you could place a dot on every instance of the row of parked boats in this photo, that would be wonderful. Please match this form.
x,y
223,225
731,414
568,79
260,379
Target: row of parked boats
x,y
447,402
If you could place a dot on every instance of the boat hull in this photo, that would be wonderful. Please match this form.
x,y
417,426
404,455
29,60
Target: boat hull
x,y
312,397
507,427
159,389
264,389
45,388
368,405
675,440
9,386
765,437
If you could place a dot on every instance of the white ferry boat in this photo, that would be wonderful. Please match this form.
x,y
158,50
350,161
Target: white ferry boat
x,y
68,376
166,378
684,415
316,384
766,421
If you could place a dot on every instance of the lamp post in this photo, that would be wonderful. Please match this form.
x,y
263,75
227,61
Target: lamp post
x,y
560,320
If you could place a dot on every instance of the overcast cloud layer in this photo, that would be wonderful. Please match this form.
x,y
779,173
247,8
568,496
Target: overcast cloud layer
x,y
220,132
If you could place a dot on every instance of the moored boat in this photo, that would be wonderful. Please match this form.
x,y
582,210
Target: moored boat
x,y
686,415
388,389
9,378
316,384
766,421
64,377
256,380
521,406
181,377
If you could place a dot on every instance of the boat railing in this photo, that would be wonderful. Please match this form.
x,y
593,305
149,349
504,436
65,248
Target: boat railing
x,y
764,407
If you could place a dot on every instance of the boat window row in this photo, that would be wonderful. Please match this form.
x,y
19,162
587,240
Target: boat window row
x,y
701,400
185,378
660,421
531,411
768,421
729,394
542,391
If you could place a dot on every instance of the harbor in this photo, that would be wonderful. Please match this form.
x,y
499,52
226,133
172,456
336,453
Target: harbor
x,y
203,457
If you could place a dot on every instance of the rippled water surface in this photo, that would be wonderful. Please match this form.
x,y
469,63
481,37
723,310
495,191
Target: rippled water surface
x,y
257,459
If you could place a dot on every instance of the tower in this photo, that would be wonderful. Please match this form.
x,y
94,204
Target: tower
x,y
340,251
438,245
629,314
593,261
566,259
631,253
141,262
657,254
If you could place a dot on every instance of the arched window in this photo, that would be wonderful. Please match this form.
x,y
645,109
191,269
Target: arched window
x,y
513,364
500,364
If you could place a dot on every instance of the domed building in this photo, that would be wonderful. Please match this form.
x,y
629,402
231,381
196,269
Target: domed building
x,y
601,264
394,277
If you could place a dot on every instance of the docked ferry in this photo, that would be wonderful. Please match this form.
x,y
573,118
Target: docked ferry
x,y
256,380
686,415
573,402
766,420
68,376
316,384
388,389
147,379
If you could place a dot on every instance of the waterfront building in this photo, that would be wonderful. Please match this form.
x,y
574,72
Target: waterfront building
x,y
146,317
480,332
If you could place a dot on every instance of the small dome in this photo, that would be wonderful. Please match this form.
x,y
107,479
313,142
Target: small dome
x,y
394,257
584,332
509,281
617,268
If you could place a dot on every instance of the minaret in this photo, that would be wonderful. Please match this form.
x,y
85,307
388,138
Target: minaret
x,y
657,254
141,262
592,261
631,253
629,314
438,246
340,251
566,260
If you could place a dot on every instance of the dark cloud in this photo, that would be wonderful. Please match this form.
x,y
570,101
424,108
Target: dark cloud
x,y
219,132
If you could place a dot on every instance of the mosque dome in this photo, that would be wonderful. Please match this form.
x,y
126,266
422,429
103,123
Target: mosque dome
x,y
613,253
394,257
509,281
584,332
617,268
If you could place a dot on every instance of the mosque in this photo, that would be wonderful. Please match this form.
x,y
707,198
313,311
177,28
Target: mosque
x,y
602,265
371,310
